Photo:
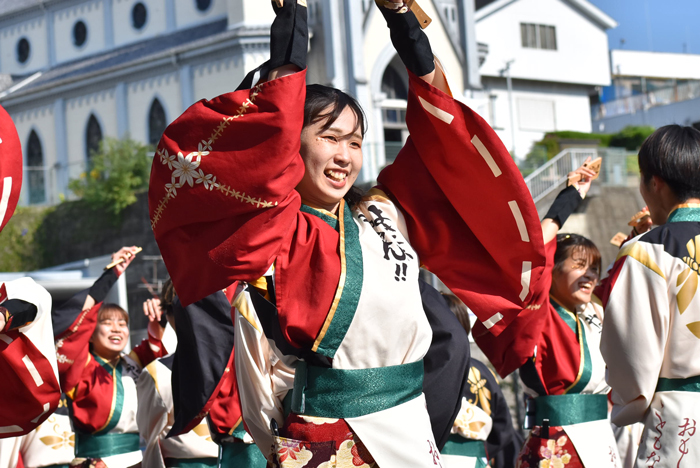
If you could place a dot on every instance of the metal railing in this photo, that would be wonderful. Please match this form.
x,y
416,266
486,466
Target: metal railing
x,y
641,102
553,173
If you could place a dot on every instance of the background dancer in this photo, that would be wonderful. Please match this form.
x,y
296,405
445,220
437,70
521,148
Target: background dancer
x,y
651,333
99,380
554,342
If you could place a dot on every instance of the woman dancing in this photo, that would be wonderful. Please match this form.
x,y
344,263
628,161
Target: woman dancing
x,y
256,186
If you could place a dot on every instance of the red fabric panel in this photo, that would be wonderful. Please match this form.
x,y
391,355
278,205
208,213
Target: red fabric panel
x,y
224,406
144,352
10,163
210,239
22,399
457,211
92,400
307,275
605,286
509,350
72,347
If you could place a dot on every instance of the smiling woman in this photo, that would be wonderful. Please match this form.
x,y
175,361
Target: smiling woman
x,y
329,304
564,376
97,377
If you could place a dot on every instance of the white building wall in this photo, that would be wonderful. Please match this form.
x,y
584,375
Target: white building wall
x,y
92,14
539,108
40,120
187,14
140,96
655,64
78,110
122,23
582,45
223,76
35,32
249,13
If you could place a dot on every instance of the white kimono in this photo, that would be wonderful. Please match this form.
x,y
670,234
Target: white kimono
x,y
651,340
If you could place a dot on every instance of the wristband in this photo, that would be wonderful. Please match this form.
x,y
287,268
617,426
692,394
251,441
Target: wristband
x,y
409,40
566,202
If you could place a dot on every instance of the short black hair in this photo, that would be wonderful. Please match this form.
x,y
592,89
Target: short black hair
x,y
673,154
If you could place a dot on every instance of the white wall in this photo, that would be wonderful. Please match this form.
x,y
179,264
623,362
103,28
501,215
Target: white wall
x,y
102,105
140,96
538,108
92,14
187,14
655,64
582,45
35,32
124,31
248,12
223,76
41,120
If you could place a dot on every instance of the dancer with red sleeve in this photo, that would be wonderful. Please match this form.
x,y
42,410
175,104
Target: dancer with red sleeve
x,y
256,185
99,380
30,390
554,344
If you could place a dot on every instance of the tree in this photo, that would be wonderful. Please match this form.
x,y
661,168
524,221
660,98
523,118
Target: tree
x,y
115,173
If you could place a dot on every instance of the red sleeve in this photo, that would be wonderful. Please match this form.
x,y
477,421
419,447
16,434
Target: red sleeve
x,y
469,214
72,347
148,350
509,350
221,196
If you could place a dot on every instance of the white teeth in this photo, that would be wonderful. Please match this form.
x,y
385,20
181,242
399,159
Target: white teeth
x,y
337,176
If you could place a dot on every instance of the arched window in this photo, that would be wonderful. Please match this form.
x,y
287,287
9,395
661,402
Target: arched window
x,y
93,137
393,84
156,122
35,170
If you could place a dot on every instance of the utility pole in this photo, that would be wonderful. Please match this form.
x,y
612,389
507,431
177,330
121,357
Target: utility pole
x,y
511,107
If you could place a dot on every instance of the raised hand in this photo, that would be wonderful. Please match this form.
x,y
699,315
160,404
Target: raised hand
x,y
124,256
152,310
583,176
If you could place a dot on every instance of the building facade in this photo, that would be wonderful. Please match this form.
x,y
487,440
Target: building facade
x,y
75,71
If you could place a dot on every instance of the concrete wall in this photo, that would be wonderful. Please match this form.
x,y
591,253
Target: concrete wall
x,y
582,45
681,113
187,14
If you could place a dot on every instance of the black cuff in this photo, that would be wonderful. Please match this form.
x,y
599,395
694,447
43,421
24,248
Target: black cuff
x,y
20,313
100,288
410,41
289,37
566,202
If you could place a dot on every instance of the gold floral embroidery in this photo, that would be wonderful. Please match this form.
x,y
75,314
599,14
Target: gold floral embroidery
x,y
62,439
477,386
186,169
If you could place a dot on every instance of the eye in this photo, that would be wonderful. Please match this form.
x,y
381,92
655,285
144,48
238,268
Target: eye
x,y
330,138
356,144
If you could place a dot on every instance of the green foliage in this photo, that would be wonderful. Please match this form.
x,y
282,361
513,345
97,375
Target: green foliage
x,y
631,137
115,174
20,249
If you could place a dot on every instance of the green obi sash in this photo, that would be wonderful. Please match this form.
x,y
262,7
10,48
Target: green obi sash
x,y
239,454
564,410
350,393
691,384
208,462
105,445
461,447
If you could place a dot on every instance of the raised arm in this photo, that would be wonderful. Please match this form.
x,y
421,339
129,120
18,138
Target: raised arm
x,y
221,195
567,201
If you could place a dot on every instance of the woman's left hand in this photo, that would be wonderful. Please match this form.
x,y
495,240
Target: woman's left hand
x,y
585,179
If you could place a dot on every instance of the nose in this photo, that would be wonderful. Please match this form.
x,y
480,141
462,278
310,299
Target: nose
x,y
342,156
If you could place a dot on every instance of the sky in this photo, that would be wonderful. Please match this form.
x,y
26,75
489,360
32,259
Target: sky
x,y
654,25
